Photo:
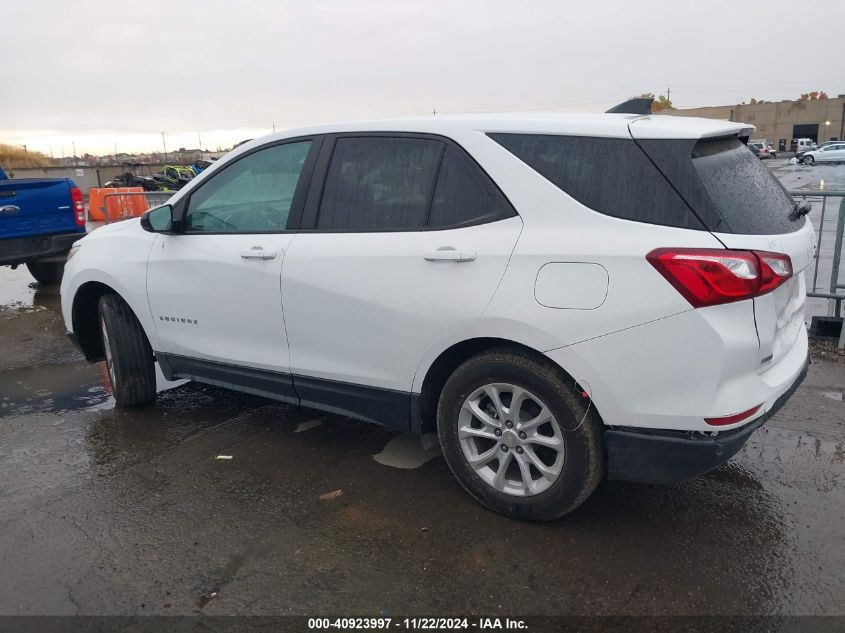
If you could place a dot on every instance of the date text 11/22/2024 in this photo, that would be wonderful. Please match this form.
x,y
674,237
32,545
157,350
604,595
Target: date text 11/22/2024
x,y
419,623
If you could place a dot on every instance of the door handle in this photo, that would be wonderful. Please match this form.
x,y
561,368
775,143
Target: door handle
x,y
450,255
256,252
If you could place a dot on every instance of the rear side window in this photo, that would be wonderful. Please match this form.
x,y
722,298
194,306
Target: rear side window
x,y
464,194
392,183
609,175
379,184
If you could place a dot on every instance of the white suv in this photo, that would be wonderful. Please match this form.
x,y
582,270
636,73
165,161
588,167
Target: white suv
x,y
561,297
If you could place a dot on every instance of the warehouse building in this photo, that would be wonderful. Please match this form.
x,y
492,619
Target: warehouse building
x,y
780,122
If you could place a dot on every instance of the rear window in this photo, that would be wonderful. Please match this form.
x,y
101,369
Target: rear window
x,y
742,189
609,175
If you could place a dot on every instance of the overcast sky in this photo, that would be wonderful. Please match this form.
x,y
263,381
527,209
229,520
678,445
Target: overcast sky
x,y
99,72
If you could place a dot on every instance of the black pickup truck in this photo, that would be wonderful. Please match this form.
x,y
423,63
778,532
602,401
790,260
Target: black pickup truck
x,y
39,220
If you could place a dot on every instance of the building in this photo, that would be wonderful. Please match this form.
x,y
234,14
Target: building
x,y
781,121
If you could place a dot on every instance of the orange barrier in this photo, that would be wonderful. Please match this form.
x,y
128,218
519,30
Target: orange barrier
x,y
119,207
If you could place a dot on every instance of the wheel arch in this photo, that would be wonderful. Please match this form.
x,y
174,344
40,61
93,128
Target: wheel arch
x,y
424,405
85,317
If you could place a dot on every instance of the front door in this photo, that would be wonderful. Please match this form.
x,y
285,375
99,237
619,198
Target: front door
x,y
214,289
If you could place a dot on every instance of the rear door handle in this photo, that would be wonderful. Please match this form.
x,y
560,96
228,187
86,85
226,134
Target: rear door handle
x,y
450,255
256,252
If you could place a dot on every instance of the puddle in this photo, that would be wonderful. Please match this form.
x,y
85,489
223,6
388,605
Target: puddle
x,y
20,292
57,388
408,451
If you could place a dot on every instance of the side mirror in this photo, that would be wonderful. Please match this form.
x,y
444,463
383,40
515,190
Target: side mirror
x,y
158,220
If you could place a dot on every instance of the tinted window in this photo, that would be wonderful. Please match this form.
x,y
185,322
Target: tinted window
x,y
742,189
253,194
726,185
464,194
379,183
609,175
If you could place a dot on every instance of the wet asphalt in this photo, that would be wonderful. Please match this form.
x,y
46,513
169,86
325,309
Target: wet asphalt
x,y
218,503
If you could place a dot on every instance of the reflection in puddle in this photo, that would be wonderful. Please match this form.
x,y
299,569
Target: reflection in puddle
x,y
310,424
408,451
57,388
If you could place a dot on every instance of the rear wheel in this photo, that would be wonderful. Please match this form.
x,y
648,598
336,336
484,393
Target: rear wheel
x,y
519,436
46,273
129,357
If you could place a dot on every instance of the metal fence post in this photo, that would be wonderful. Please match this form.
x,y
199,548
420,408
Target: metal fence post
x,y
837,250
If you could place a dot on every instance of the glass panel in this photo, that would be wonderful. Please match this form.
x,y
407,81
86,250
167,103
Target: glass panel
x,y
253,194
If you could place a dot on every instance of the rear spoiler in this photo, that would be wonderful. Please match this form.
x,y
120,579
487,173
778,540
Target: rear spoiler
x,y
637,105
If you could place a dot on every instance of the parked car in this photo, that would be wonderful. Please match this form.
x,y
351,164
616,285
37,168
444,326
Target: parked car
x,y
39,220
532,288
760,151
830,153
801,145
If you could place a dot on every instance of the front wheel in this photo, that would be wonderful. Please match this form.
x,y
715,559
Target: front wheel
x,y
519,436
129,357
808,160
46,273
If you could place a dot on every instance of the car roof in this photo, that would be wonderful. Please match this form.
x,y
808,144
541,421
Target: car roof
x,y
574,124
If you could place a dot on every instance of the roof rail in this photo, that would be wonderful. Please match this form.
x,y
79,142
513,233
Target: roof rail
x,y
637,105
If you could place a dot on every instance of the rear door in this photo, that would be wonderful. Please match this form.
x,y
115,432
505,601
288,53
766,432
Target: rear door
x,y
403,243
746,208
34,206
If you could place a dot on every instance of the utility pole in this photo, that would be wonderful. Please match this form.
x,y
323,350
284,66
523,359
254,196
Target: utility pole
x,y
434,112
164,145
199,139
115,152
73,145
274,128
668,93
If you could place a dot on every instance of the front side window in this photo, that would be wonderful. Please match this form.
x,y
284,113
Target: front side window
x,y
253,194
379,183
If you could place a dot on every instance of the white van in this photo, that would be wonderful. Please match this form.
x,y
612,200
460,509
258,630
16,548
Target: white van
x,y
803,145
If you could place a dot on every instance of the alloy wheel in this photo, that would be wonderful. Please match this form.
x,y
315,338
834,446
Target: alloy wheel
x,y
511,439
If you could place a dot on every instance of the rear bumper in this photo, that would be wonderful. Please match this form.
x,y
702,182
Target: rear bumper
x,y
655,456
20,250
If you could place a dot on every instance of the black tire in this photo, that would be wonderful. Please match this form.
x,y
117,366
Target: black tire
x,y
581,429
129,357
808,160
46,273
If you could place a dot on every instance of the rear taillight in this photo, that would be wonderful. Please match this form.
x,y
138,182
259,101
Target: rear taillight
x,y
78,205
710,276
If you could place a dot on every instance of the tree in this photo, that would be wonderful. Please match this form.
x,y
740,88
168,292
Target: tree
x,y
660,103
753,101
813,96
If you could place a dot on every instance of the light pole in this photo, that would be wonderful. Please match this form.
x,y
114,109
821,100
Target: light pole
x,y
164,146
73,145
